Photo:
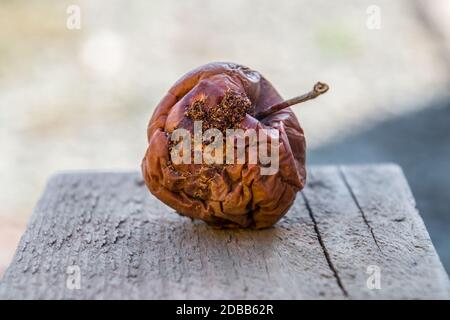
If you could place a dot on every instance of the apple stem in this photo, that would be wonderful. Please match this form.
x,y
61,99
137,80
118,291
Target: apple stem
x,y
319,88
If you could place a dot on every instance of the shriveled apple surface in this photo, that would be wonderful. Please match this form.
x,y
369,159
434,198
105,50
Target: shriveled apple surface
x,y
353,233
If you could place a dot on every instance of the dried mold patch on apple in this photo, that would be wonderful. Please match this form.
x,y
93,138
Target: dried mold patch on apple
x,y
228,114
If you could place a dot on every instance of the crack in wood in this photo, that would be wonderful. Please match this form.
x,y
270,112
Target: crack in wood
x,y
324,249
358,205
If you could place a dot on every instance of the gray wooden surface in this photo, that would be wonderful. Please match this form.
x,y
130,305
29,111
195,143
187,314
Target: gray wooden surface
x,y
128,245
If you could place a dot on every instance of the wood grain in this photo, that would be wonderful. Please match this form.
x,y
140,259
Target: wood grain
x,y
128,245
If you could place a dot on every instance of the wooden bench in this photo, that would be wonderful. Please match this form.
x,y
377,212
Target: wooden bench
x,y
353,233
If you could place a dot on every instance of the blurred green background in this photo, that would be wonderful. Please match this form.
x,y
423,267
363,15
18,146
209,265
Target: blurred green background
x,y
81,98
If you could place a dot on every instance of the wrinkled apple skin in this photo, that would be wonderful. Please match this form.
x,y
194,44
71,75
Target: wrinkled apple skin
x,y
238,195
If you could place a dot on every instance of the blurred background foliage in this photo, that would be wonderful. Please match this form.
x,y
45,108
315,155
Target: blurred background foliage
x,y
81,99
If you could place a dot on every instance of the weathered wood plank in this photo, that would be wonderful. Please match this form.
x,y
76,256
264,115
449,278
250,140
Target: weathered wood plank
x,y
128,245
405,248
356,210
